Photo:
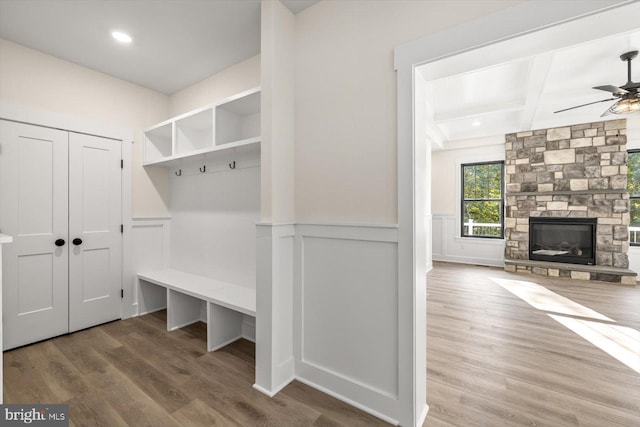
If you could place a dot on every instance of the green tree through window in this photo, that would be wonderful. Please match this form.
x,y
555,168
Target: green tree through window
x,y
633,183
482,199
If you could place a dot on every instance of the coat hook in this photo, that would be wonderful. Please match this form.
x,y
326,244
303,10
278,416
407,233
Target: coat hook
x,y
203,169
179,173
232,165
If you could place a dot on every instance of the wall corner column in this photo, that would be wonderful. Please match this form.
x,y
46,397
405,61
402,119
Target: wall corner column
x,y
274,245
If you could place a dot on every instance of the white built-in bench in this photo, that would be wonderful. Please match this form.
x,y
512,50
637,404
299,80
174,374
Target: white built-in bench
x,y
226,303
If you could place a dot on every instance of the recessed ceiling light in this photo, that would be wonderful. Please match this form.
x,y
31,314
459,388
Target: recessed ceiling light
x,y
476,123
121,37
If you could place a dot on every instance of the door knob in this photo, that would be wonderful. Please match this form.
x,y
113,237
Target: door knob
x,y
77,241
60,242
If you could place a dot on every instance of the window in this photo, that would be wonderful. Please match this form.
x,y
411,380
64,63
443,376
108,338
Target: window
x,y
482,200
633,183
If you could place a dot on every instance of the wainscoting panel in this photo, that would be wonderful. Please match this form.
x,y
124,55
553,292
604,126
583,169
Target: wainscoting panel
x,y
345,312
446,246
151,251
634,258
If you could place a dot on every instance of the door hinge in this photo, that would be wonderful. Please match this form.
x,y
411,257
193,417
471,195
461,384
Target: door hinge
x,y
121,228
121,164
121,293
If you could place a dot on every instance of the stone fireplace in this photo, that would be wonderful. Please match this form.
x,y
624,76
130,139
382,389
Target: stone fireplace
x,y
575,174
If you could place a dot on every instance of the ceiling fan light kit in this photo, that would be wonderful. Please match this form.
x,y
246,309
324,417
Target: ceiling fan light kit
x,y
628,94
625,106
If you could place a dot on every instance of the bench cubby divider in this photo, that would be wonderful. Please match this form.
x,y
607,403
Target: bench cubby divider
x,y
226,326
182,310
192,298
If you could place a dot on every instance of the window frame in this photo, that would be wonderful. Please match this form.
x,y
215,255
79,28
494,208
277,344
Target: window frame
x,y
631,197
501,200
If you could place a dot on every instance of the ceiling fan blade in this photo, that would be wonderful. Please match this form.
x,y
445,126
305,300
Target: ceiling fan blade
x,y
607,112
584,105
613,89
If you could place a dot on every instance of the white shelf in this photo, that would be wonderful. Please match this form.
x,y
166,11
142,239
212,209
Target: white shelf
x,y
194,132
238,119
202,134
206,154
158,142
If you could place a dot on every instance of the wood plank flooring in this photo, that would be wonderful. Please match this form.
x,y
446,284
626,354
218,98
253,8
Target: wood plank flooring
x,y
493,360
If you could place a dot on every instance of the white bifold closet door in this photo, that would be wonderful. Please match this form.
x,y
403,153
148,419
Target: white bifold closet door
x,y
57,187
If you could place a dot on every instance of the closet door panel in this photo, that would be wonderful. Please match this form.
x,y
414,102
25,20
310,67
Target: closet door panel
x,y
34,210
94,219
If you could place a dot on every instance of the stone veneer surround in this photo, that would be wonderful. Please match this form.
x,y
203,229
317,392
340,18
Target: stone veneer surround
x,y
576,171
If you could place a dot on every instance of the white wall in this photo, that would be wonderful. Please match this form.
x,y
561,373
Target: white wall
x,y
213,218
346,102
278,112
346,156
235,79
32,79
447,244
445,190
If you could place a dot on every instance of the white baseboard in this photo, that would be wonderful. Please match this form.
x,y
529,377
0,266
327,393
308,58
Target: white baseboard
x,y
423,416
489,262
276,390
151,311
249,328
349,401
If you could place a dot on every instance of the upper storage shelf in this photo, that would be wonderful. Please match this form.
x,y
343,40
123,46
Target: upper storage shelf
x,y
238,120
230,123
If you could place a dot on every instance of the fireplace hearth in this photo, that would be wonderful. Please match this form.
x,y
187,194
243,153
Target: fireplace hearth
x,y
566,240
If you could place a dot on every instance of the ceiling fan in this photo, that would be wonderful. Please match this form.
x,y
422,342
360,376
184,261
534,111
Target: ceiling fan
x,y
627,95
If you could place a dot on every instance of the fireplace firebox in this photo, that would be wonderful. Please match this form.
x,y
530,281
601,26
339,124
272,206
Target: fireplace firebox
x,y
569,240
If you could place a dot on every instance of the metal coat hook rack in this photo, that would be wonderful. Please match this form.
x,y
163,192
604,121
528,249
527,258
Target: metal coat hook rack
x,y
179,172
232,165
203,169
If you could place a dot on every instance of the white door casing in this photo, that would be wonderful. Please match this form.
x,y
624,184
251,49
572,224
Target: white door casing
x,y
95,265
34,210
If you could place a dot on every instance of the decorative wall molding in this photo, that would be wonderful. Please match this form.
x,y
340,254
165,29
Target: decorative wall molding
x,y
151,250
345,275
465,250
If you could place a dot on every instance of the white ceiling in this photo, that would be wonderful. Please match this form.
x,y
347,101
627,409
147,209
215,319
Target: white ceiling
x,y
523,94
175,43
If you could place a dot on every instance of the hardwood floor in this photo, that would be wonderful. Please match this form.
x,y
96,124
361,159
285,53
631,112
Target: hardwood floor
x,y
493,360
135,373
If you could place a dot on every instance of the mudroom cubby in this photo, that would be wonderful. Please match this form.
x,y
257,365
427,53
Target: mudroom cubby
x,y
238,120
158,142
229,123
214,174
194,132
